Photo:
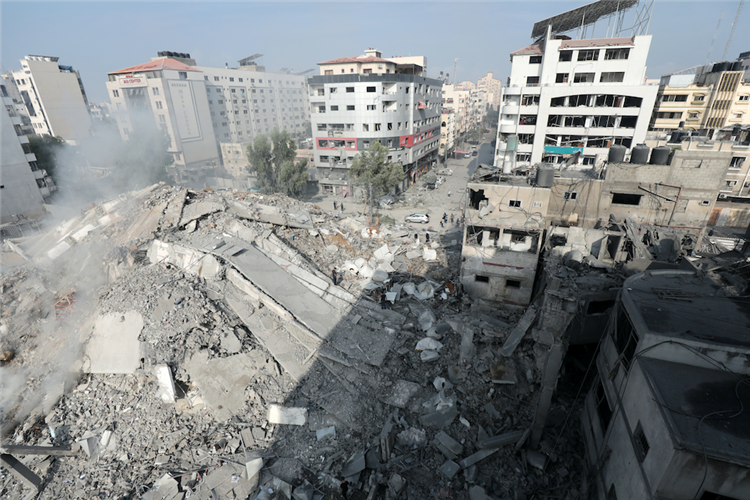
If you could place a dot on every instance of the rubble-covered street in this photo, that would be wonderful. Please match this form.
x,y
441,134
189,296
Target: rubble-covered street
x,y
171,343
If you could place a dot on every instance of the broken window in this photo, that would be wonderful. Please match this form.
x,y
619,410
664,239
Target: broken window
x,y
527,120
512,284
532,81
482,236
625,339
612,77
583,78
570,195
514,203
535,60
628,121
530,100
476,197
626,199
565,55
600,306
610,54
561,78
481,279
588,55
641,444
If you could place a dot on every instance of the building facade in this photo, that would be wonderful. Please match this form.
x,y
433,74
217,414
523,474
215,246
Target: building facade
x,y
574,97
23,185
217,113
461,104
493,88
664,417
356,101
55,99
705,98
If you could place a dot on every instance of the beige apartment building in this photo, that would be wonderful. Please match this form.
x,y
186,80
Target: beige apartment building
x,y
702,98
492,87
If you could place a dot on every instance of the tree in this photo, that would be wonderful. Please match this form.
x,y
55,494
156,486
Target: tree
x,y
46,148
374,172
272,159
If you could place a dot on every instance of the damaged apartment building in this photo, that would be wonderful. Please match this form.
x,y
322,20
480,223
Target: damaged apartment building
x,y
665,196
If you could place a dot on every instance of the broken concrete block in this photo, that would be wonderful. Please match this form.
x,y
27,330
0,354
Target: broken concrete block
x,y
253,467
372,457
328,432
366,271
519,331
543,336
412,437
501,373
441,418
305,491
426,320
230,342
332,249
428,344
490,408
478,493
471,474
354,465
413,254
476,457
379,275
400,393
166,384
501,440
20,471
381,252
467,349
451,444
387,440
396,484
440,384
536,459
425,291
442,328
247,437
164,489
114,346
259,433
429,254
409,288
450,468
287,415
428,355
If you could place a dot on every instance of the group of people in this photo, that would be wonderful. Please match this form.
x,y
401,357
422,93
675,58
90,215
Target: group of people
x,y
338,205
444,219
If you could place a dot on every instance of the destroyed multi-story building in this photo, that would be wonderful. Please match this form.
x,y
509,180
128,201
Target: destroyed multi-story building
x,y
24,185
665,416
210,114
702,98
55,99
356,101
569,97
507,214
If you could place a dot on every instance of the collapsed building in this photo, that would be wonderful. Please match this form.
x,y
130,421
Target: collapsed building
x,y
171,343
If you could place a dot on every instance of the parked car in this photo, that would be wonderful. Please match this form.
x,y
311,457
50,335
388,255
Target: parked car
x,y
417,217
474,153
445,171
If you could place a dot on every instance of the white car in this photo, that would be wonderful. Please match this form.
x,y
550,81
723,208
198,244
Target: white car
x,y
418,217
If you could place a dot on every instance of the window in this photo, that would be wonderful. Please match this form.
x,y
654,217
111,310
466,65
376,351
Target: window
x,y
641,444
693,115
535,60
481,279
377,127
602,406
699,98
115,93
514,203
216,78
371,89
705,203
625,339
626,199
371,107
240,79
367,70
334,108
612,77
532,81
350,107
588,55
570,195
561,78
731,183
328,72
162,119
512,284
333,90
583,78
674,98
566,55
365,127
610,54
155,90
669,116
530,100
736,162
350,89
159,105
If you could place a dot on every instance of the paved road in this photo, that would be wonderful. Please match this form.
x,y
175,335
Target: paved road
x,y
448,198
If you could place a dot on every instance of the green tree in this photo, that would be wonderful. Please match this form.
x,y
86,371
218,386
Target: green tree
x,y
47,148
272,159
374,172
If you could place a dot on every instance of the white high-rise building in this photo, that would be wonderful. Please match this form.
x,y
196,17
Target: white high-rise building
x,y
574,97
356,101
55,98
22,184
211,114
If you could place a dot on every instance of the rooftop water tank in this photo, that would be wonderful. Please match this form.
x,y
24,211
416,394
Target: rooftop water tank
x,y
617,153
660,155
639,154
545,177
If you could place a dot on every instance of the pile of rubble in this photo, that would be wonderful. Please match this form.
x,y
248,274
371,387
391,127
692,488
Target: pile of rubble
x,y
171,343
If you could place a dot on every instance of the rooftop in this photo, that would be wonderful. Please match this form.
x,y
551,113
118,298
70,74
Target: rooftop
x,y
530,49
686,394
357,59
689,306
596,42
156,65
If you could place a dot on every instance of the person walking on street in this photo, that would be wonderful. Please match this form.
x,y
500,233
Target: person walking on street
x,y
451,218
383,298
335,276
344,488
427,237
341,204
449,194
334,205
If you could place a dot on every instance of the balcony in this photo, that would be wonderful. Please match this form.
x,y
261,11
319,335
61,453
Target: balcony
x,y
510,109
23,139
30,157
507,128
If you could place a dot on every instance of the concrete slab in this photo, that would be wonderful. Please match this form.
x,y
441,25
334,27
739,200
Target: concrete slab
x,y
441,418
222,381
476,457
198,210
166,384
450,443
450,468
287,415
519,331
114,346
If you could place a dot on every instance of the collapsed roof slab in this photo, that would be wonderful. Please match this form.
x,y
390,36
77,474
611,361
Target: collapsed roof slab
x,y
114,345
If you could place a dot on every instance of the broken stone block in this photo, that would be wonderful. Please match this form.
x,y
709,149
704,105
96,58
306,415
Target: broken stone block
x,y
450,468
441,418
429,355
327,433
354,465
287,415
476,457
428,344
166,384
501,440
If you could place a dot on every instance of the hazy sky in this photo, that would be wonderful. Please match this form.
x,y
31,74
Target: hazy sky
x,y
98,37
